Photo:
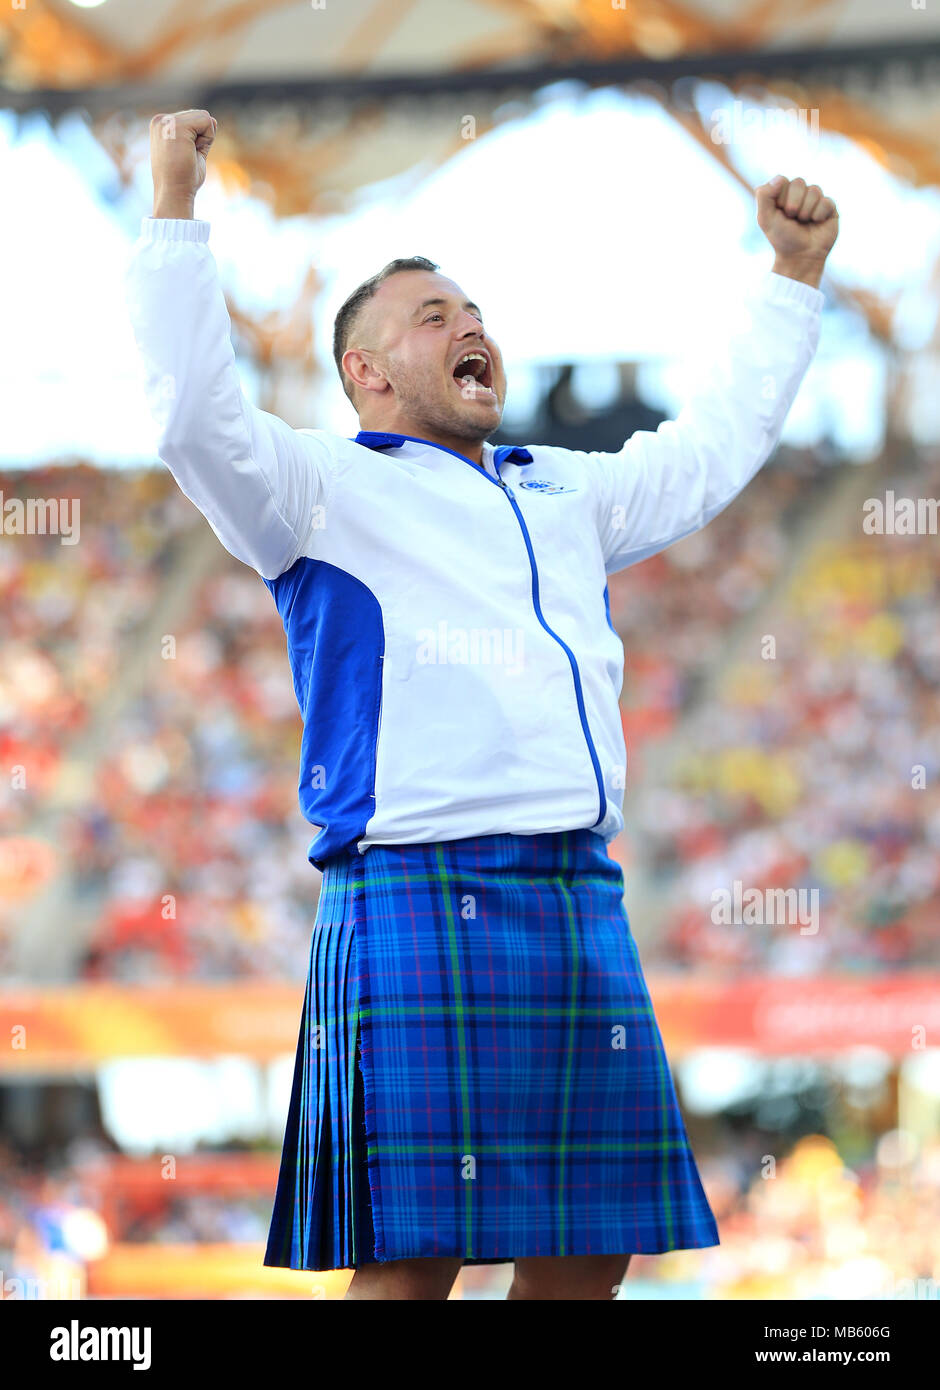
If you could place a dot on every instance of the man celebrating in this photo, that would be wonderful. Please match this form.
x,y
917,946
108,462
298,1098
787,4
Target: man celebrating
x,y
480,1077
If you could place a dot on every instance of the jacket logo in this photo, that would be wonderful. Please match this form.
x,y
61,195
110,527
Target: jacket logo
x,y
541,485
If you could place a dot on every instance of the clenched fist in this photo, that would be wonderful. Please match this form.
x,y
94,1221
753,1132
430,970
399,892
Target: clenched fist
x,y
178,147
801,225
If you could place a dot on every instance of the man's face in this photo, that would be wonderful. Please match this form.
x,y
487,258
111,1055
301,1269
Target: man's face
x,y
416,332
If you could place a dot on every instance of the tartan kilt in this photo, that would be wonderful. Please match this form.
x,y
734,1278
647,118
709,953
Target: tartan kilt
x,y
479,1070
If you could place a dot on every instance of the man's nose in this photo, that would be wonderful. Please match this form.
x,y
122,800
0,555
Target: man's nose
x,y
470,326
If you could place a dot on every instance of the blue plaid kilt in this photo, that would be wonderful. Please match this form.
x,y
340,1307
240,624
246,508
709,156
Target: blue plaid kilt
x,y
479,1071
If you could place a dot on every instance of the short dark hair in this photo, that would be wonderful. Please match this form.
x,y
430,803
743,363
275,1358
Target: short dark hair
x,y
349,312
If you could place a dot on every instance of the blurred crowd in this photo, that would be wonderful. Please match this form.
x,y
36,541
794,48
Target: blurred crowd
x,y
66,606
198,847
674,610
51,1225
813,763
177,823
809,1227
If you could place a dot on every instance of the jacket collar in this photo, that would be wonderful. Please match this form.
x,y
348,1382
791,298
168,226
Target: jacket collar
x,y
377,439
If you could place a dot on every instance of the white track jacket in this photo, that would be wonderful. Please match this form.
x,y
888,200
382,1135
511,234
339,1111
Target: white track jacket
x,y
448,627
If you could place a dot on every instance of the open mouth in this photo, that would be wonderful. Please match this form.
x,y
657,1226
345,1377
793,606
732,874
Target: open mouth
x,y
474,375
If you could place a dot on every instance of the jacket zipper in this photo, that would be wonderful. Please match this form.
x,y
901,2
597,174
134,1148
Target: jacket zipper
x,y
576,674
579,693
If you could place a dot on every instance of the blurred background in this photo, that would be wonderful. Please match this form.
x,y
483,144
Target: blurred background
x,y
585,170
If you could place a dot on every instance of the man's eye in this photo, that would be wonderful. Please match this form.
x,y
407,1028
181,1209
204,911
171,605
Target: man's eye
x,y
434,316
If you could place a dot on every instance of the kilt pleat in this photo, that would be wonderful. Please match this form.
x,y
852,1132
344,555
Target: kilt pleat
x,y
320,1204
479,1070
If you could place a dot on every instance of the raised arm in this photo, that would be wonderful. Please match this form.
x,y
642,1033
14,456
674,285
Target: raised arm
x,y
665,484
258,482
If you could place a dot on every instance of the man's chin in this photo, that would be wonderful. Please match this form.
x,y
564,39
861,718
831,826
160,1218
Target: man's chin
x,y
467,419
480,417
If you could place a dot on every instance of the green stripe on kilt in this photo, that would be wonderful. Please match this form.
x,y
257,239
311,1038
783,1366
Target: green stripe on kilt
x,y
627,1146
461,1033
572,1014
424,1010
383,879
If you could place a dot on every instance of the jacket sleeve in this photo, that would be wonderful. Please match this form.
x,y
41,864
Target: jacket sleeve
x,y
258,482
667,483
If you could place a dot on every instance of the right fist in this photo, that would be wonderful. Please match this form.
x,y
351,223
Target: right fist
x,y
178,148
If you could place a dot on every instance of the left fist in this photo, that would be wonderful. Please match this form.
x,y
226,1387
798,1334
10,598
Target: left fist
x,y
800,223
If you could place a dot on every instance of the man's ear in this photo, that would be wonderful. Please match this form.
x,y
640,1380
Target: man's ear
x,y
362,372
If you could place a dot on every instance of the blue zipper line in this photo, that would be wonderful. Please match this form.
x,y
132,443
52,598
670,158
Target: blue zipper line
x,y
579,694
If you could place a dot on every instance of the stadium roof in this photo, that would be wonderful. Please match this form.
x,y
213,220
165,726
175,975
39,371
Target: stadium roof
x,y
94,43
393,81
319,100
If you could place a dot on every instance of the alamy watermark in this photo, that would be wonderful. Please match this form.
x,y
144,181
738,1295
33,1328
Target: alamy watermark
x,y
758,907
897,1290
444,645
730,126
41,516
78,1343
900,516
65,1287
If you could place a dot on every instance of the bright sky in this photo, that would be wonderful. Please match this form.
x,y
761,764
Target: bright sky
x,y
593,228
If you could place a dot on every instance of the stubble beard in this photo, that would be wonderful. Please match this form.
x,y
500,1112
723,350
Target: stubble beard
x,y
443,418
